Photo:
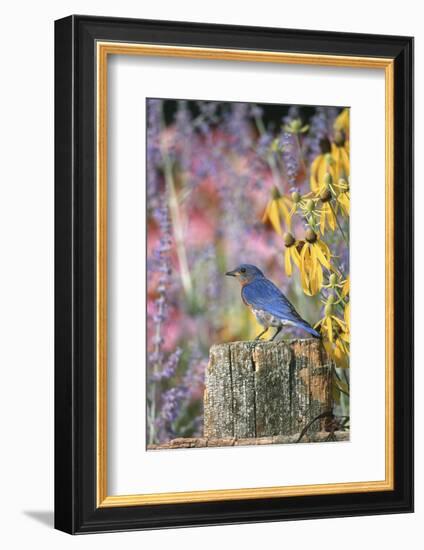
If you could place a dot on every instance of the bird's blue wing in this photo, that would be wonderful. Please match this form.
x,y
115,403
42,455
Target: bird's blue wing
x,y
264,295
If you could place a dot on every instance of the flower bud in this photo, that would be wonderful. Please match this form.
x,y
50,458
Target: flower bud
x,y
325,195
310,235
289,240
333,279
328,310
296,197
310,205
296,125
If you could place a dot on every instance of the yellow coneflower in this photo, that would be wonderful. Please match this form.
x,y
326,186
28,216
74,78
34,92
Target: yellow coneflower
x,y
335,333
327,214
275,209
291,253
296,201
342,122
339,352
314,255
329,181
346,286
343,197
338,284
331,170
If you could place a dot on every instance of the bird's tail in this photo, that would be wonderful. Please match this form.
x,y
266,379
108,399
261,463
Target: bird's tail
x,y
306,326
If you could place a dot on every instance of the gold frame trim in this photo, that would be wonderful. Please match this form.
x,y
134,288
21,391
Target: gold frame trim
x,y
119,48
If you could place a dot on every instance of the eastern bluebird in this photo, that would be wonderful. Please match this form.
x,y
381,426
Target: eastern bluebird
x,y
267,302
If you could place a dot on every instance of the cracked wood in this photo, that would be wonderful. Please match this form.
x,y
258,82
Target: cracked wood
x,y
263,389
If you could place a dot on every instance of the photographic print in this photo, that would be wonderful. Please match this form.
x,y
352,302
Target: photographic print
x,y
204,251
247,273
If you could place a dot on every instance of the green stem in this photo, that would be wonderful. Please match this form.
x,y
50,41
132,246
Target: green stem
x,y
177,225
340,297
338,224
270,157
340,380
260,125
345,377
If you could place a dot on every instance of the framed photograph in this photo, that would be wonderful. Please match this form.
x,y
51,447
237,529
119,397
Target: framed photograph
x,y
234,274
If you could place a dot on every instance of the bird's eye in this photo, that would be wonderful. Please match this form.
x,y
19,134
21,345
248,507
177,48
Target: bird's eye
x,y
243,270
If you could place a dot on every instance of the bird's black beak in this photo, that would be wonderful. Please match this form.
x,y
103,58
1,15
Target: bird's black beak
x,y
231,273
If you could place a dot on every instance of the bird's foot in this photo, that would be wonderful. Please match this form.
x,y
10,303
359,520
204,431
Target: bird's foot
x,y
279,329
258,337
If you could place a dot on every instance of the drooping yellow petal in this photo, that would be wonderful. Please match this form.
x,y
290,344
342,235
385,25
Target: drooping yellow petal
x,y
331,218
313,262
347,315
304,269
318,167
329,329
345,337
340,354
324,248
339,322
323,252
344,202
295,255
287,262
346,285
272,214
317,281
310,270
314,284
342,121
341,161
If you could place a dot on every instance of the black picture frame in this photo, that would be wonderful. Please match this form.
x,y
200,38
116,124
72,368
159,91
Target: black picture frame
x,y
76,510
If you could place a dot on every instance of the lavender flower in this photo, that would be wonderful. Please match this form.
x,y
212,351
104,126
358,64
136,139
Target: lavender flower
x,y
170,366
289,155
153,154
238,127
317,131
171,403
195,374
208,115
263,144
161,263
184,128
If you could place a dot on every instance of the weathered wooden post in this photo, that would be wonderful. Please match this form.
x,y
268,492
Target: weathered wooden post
x,y
258,389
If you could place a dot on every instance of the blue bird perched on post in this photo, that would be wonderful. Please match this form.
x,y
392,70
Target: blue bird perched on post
x,y
267,302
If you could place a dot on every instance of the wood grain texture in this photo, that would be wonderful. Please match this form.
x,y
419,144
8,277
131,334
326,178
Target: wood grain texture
x,y
265,389
202,442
